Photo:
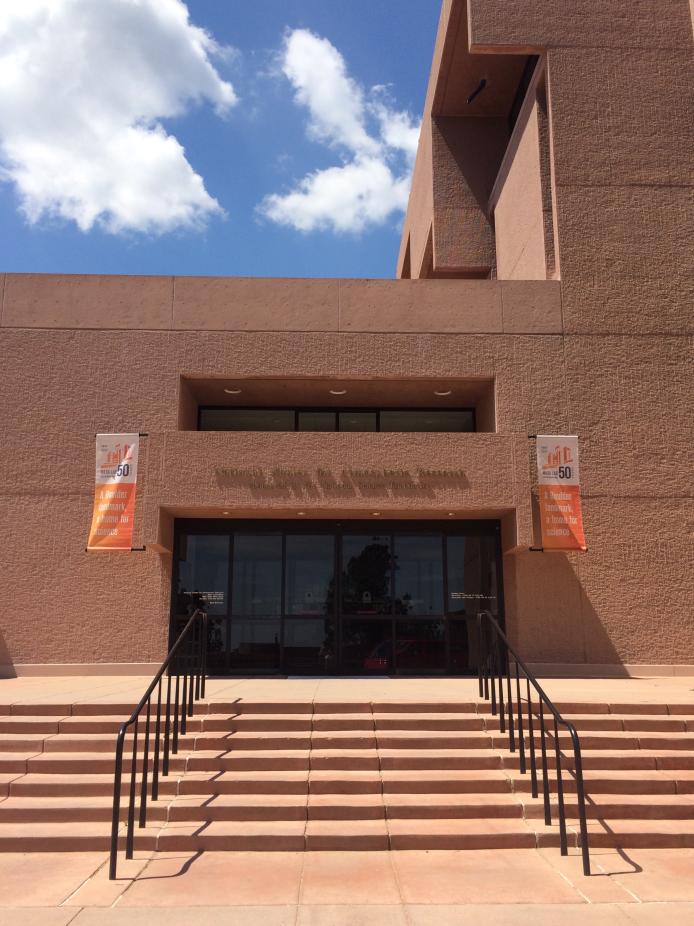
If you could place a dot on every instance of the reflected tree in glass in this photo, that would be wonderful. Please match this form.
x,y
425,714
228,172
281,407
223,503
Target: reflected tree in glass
x,y
366,576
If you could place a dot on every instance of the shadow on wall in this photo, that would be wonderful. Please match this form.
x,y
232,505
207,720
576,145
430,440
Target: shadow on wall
x,y
6,665
549,617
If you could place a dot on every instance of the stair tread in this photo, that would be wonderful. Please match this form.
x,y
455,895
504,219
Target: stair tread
x,y
241,800
463,736
389,751
640,824
331,717
352,800
347,828
236,827
646,800
261,775
19,801
250,752
436,825
454,774
45,830
453,800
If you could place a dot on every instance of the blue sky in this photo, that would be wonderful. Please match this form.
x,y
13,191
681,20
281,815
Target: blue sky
x,y
268,153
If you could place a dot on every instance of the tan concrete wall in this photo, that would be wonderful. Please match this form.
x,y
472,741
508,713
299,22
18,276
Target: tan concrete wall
x,y
465,152
341,475
518,216
616,184
421,204
626,600
621,150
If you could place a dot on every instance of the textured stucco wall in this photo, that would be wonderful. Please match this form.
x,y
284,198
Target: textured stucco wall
x,y
625,600
518,216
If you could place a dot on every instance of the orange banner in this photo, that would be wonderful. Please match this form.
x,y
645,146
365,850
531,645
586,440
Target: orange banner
x,y
114,492
561,516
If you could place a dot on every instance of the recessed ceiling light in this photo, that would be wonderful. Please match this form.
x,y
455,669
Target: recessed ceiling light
x,y
233,391
301,513
451,514
225,512
338,392
376,514
442,392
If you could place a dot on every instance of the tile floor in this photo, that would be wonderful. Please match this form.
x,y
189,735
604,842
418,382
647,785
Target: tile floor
x,y
72,689
644,886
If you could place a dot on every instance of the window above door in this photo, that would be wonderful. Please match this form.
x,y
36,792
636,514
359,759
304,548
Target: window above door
x,y
221,418
327,405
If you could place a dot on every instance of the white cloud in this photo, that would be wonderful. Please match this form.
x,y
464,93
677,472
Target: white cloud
x,y
379,144
83,85
335,102
343,199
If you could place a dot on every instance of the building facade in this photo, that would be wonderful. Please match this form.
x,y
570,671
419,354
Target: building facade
x,y
342,471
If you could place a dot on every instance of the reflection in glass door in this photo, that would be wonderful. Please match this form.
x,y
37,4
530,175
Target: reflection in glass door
x,y
256,602
202,582
321,598
309,626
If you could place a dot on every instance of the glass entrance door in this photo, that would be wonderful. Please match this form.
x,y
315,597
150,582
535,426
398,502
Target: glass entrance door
x,y
325,598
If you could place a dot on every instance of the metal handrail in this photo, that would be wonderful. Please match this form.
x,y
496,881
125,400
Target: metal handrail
x,y
185,666
493,668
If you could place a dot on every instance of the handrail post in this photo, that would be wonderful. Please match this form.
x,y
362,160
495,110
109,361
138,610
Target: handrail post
x,y
130,835
157,738
580,793
545,772
167,726
479,655
531,741
174,745
145,770
560,793
193,692
204,654
115,819
500,679
521,741
195,659
184,696
509,702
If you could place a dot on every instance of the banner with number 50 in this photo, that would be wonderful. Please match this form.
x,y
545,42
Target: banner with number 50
x,y
114,492
560,494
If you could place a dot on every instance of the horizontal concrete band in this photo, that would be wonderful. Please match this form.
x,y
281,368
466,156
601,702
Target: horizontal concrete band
x,y
163,303
609,670
542,669
78,668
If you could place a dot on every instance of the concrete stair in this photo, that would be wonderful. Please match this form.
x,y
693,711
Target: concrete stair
x,y
346,775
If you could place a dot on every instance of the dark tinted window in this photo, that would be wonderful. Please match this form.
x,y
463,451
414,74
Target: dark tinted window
x,y
203,573
241,419
366,575
257,574
323,419
357,421
309,573
317,421
423,420
418,575
471,575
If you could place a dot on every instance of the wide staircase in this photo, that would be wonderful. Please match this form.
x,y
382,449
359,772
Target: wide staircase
x,y
348,775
